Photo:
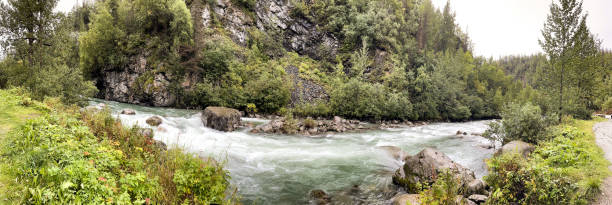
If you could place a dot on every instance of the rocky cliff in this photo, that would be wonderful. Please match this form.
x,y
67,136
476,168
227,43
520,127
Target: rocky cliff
x,y
137,84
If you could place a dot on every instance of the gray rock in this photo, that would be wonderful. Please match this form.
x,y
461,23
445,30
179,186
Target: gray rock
x,y
479,199
476,186
304,91
413,199
154,121
146,132
221,118
161,145
463,201
128,112
424,168
319,197
520,147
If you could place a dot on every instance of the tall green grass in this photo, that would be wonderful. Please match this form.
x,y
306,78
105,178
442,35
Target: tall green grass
x,y
68,157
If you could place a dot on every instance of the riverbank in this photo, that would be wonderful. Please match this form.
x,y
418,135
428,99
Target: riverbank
x,y
278,168
69,156
566,168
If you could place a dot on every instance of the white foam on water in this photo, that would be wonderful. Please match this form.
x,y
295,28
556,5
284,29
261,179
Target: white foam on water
x,y
281,169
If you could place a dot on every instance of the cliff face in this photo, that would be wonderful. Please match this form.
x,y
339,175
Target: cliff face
x,y
136,83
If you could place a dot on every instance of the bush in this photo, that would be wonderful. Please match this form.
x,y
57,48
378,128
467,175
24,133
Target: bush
x,y
269,93
369,101
443,191
607,105
568,169
290,125
521,122
358,99
59,158
310,123
318,108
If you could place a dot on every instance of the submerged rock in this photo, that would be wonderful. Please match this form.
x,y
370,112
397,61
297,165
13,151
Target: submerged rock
x,y
396,152
221,118
154,121
520,147
424,168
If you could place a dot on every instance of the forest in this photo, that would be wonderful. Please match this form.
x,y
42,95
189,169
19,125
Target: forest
x,y
369,60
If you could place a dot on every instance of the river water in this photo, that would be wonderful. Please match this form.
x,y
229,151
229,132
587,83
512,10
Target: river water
x,y
281,169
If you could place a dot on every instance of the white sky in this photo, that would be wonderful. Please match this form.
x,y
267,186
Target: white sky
x,y
504,27
512,27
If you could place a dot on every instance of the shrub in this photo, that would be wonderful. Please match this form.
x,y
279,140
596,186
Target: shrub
x,y
443,191
568,169
515,180
251,108
607,105
268,92
290,125
92,158
199,182
521,122
369,101
358,99
310,123
318,108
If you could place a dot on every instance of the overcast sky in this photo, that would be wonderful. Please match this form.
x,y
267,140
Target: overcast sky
x,y
512,27
505,27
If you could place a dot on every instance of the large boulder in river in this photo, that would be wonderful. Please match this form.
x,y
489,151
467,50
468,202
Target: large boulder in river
x,y
519,147
128,112
426,166
154,121
221,118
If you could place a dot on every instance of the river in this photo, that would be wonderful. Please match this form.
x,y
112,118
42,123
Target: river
x,y
281,169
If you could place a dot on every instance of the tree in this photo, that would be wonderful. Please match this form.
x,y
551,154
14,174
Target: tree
x,y
559,34
40,50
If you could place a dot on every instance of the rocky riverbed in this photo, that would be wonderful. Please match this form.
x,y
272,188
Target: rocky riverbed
x,y
353,167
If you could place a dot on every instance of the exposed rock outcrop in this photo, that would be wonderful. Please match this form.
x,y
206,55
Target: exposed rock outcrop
x,y
520,147
137,84
424,168
318,127
221,118
270,16
304,91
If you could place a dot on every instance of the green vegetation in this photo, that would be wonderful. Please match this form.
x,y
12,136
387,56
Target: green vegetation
x,y
444,191
40,53
91,158
521,122
567,167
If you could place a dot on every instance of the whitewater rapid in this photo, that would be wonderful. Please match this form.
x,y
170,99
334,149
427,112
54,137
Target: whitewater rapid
x,y
282,169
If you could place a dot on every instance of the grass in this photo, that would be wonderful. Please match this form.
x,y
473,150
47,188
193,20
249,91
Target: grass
x,y
12,112
54,154
569,168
